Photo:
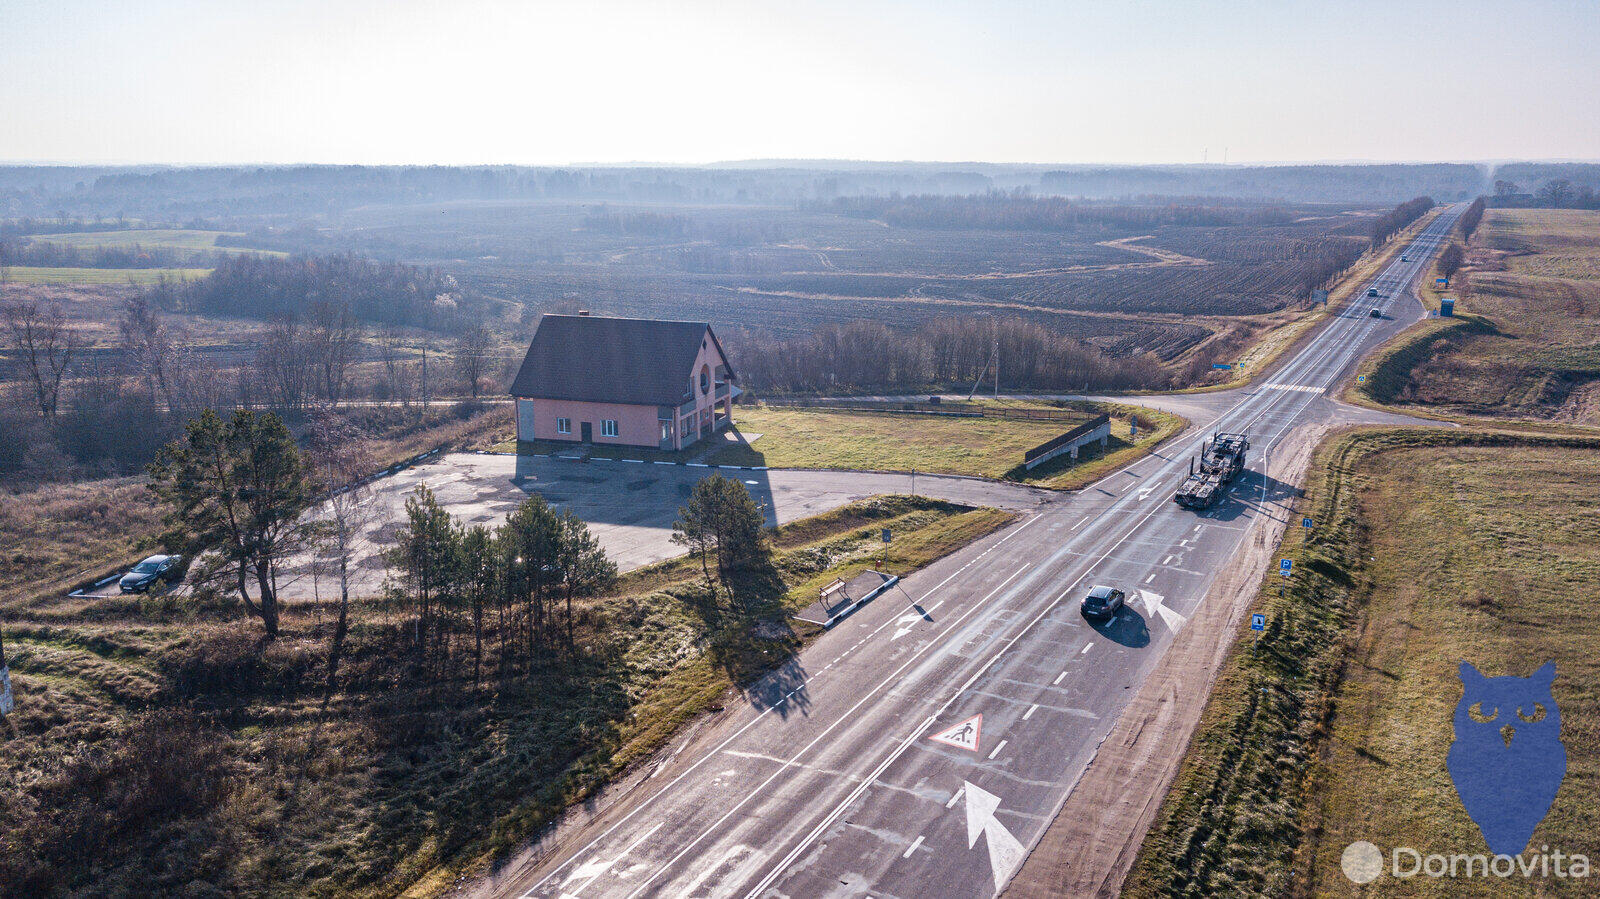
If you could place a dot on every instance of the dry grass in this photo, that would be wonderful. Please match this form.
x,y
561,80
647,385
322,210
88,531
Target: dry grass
x,y
399,779
1332,725
1533,284
990,447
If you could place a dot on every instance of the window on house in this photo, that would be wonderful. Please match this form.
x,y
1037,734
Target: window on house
x,y
563,426
666,432
705,379
608,427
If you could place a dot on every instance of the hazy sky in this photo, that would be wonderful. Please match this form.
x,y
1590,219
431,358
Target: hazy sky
x,y
488,81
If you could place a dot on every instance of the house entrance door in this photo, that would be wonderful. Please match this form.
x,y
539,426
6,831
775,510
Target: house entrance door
x,y
588,432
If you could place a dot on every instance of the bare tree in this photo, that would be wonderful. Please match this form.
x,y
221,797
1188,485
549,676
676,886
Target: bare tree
x,y
472,355
148,342
332,342
46,346
392,354
341,462
284,366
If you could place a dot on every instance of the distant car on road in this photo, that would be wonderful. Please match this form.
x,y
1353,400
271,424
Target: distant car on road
x,y
1102,602
1404,257
145,574
1372,291
1376,312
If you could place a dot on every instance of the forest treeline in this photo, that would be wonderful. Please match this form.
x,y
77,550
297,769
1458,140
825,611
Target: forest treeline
x,y
1395,220
272,288
47,254
1021,211
1557,193
870,357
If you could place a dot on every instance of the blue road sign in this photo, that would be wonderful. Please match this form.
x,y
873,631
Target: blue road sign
x,y
1285,565
1361,379
1222,365
1441,281
886,535
1305,523
1258,622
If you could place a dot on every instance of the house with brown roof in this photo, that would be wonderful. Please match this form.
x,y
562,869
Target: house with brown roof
x,y
623,381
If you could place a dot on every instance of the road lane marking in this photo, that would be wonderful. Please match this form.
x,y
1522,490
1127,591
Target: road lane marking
x,y
588,872
997,747
1168,560
784,700
1150,578
913,847
1029,713
1057,681
847,715
1086,647
956,797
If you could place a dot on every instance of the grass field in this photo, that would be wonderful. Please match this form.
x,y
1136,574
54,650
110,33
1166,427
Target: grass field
x,y
156,741
990,447
1532,283
1332,725
152,238
26,274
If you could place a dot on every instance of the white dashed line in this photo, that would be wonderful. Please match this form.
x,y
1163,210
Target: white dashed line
x,y
1087,646
1029,713
956,798
1150,578
913,847
1057,681
997,747
1168,560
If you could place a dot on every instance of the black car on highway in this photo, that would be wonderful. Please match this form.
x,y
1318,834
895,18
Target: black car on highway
x,y
145,574
1102,602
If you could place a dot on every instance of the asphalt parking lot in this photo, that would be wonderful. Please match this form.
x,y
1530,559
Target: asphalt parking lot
x,y
629,507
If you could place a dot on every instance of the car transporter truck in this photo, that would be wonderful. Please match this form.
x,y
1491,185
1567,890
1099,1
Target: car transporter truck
x,y
1221,460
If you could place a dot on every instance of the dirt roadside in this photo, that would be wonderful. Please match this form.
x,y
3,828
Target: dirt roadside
x,y
1091,844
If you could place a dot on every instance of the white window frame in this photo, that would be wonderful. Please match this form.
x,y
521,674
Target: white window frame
x,y
563,426
608,427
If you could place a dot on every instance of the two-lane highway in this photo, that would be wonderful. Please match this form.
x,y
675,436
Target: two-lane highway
x,y
924,744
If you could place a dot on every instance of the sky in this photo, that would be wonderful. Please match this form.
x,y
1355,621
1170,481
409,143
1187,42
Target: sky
x,y
492,81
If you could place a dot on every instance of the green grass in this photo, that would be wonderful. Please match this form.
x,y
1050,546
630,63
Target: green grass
x,y
27,274
990,447
1332,724
152,238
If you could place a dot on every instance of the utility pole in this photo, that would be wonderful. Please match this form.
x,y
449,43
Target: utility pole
x,y
997,361
424,375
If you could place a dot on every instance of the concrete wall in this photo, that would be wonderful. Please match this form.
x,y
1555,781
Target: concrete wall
x,y
1101,434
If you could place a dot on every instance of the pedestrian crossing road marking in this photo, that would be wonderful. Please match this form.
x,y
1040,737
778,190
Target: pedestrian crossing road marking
x,y
1303,388
963,735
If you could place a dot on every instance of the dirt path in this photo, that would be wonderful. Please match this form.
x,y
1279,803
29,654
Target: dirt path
x,y
1090,846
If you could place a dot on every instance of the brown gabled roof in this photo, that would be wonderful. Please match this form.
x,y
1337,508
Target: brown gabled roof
x,y
592,358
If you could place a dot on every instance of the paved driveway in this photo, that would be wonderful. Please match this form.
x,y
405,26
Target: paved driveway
x,y
630,507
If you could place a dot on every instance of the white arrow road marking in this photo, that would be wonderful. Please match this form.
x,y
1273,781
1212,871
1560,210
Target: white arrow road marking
x,y
1005,851
904,625
590,870
1144,494
1153,606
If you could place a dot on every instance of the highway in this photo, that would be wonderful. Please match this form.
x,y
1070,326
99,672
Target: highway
x,y
922,746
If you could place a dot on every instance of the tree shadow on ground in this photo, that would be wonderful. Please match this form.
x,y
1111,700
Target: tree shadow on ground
x,y
751,638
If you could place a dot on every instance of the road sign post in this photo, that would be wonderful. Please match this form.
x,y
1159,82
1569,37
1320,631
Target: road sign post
x,y
1305,522
887,536
1285,566
1258,622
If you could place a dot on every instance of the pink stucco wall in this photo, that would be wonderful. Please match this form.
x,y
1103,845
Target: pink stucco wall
x,y
636,425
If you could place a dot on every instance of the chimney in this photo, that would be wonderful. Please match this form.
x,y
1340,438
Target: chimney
x,y
583,312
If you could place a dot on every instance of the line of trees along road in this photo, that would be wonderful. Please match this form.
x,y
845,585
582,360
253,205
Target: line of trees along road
x,y
1395,220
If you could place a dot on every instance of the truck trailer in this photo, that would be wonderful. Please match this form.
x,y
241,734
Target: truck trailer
x,y
1220,462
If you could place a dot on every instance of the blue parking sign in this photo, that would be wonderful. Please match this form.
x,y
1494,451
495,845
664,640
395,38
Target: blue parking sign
x,y
1285,566
1258,622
